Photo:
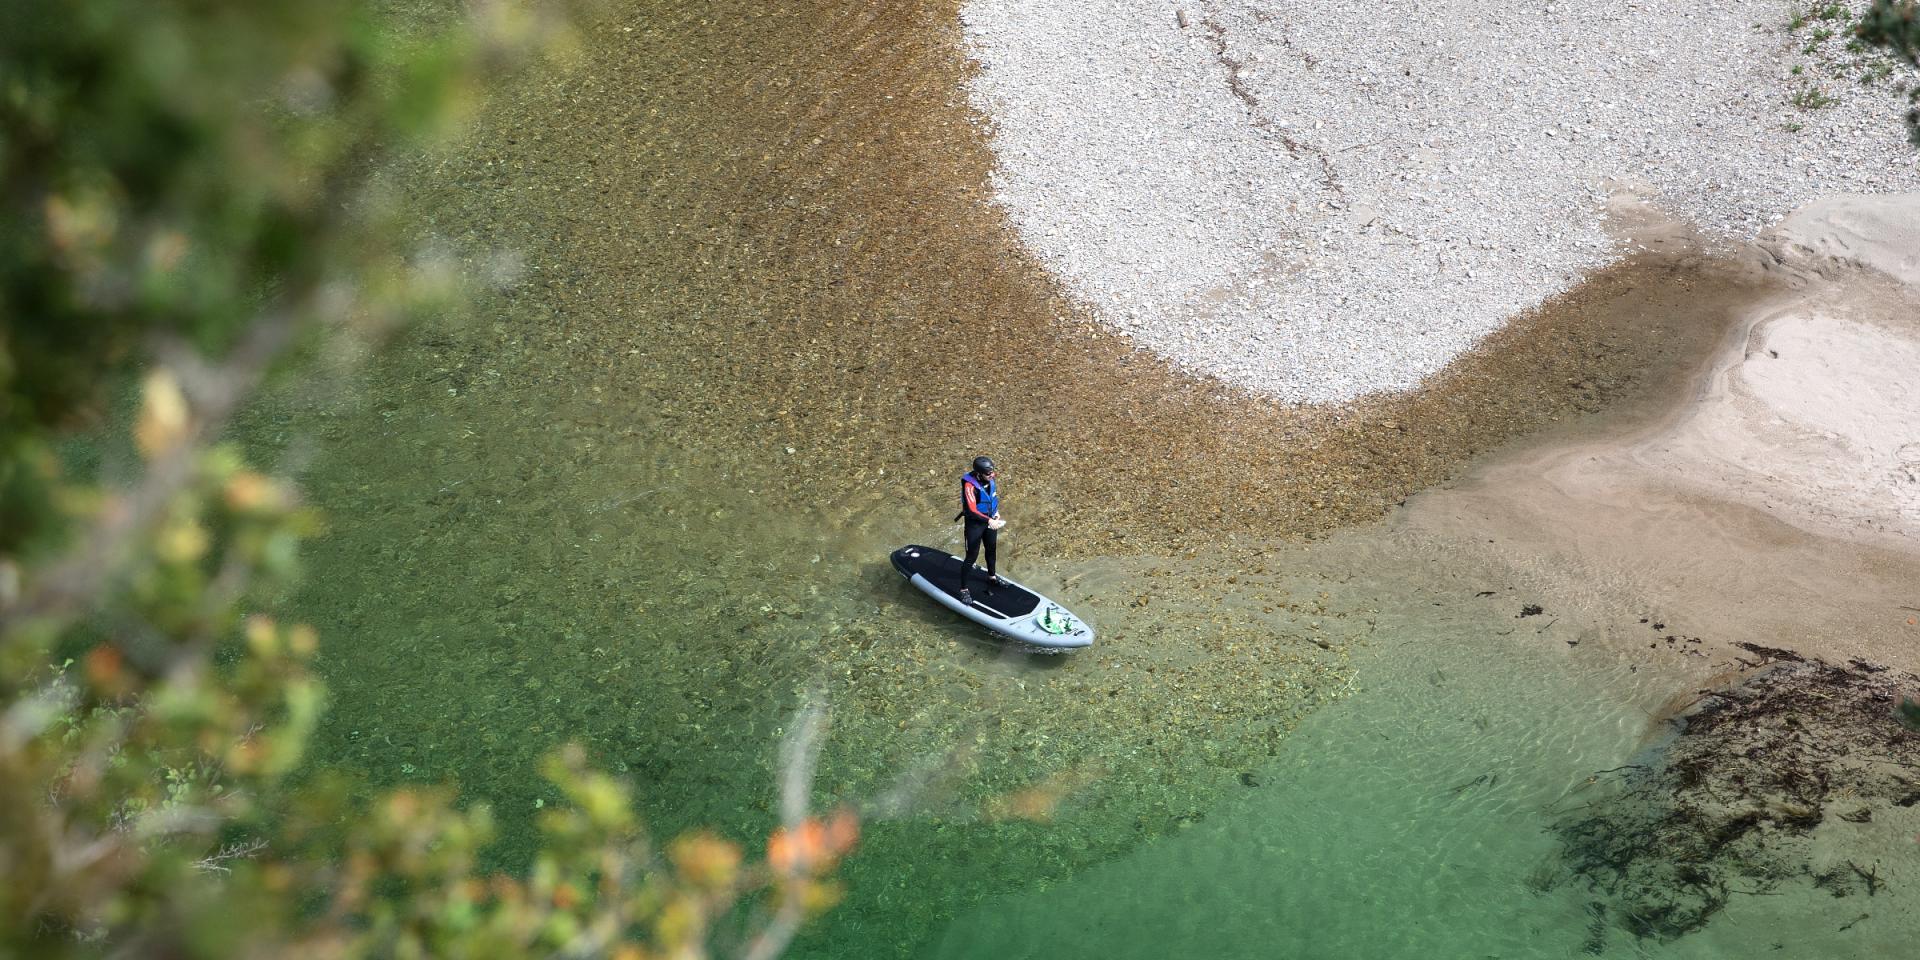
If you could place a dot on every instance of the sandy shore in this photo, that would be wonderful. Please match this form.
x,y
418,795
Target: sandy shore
x,y
1776,503
1323,201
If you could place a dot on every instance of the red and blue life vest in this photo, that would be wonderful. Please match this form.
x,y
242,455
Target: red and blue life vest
x,y
986,497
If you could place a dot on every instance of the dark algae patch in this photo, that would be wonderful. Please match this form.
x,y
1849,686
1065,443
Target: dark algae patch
x,y
1763,785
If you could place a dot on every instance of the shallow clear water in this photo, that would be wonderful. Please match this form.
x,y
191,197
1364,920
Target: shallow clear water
x,y
507,572
513,565
1404,821
1414,820
556,524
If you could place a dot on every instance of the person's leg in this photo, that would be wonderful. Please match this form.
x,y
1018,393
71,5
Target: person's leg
x,y
992,539
975,531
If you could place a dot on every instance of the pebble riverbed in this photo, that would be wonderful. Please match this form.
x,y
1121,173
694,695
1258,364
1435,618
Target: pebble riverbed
x,y
1324,201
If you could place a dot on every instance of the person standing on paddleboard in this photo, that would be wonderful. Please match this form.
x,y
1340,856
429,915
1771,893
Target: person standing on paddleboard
x,y
980,508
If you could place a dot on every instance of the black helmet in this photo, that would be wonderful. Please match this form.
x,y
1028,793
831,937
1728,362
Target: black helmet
x,y
982,466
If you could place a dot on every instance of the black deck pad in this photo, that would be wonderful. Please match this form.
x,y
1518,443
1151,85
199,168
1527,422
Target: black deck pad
x,y
942,569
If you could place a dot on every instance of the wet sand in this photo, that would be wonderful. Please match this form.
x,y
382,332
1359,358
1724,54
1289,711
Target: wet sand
x,y
1768,504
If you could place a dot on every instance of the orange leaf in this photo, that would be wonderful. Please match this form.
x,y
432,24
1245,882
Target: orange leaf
x,y
780,852
705,860
843,832
104,669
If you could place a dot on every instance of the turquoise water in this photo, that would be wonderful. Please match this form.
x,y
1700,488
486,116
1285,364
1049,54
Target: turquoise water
x,y
497,583
1413,820
1405,821
554,526
506,572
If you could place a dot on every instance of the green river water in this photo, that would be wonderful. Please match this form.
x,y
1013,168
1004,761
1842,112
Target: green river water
x,y
1414,820
1277,750
643,500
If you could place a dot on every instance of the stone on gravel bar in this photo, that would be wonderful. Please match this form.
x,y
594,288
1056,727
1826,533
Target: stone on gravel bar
x,y
1168,168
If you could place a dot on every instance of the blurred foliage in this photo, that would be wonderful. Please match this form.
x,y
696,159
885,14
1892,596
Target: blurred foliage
x,y
190,190
181,170
1895,26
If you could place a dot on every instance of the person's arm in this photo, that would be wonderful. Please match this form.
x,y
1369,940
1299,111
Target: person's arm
x,y
973,502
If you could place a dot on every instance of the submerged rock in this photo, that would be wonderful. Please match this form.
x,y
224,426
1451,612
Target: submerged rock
x,y
1731,803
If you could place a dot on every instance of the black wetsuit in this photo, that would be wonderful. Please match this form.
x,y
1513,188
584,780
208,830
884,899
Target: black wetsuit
x,y
978,530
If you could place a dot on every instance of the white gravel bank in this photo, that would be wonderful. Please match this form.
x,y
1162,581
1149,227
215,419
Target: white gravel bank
x,y
1321,200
